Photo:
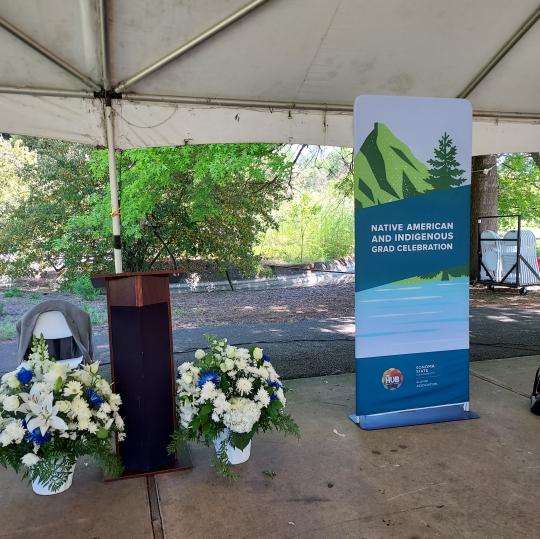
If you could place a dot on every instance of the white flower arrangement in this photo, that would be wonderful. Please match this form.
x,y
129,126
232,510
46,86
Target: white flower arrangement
x,y
51,414
232,391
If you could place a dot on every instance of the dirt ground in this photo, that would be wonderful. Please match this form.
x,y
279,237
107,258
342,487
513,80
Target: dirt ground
x,y
249,306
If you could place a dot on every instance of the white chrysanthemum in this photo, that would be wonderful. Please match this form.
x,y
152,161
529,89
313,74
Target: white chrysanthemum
x,y
257,353
187,411
13,433
115,401
118,422
242,415
230,351
92,427
121,436
11,403
262,397
244,386
30,459
105,408
79,407
208,391
184,367
104,388
199,354
281,396
272,374
84,423
73,388
84,377
242,353
220,403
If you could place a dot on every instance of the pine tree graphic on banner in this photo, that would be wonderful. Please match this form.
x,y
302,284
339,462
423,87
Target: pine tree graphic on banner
x,y
445,171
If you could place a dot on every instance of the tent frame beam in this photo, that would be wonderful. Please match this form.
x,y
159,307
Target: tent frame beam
x,y
43,51
109,127
501,53
189,45
47,92
113,181
104,52
240,103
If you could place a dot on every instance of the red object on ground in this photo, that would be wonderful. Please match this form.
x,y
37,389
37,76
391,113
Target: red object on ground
x,y
538,260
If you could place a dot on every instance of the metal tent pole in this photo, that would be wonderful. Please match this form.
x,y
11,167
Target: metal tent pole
x,y
117,241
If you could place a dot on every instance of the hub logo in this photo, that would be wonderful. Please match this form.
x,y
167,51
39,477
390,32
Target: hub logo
x,y
392,379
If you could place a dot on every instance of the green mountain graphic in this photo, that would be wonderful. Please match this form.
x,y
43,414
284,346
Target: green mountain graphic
x,y
386,170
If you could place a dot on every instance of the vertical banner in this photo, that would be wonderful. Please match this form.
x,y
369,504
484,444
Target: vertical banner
x,y
412,170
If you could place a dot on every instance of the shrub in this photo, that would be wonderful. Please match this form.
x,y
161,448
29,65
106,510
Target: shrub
x,y
82,286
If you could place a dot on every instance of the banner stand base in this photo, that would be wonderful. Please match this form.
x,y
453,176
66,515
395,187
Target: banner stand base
x,y
422,416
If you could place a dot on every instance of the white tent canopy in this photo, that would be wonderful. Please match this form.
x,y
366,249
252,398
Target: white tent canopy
x,y
135,73
268,70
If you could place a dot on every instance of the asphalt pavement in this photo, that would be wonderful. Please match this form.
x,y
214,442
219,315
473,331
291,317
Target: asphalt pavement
x,y
322,347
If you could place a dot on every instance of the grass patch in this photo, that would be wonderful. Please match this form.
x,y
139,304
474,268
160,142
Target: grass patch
x,y
13,293
35,297
97,316
7,330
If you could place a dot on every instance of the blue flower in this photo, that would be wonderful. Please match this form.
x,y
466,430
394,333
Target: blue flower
x,y
95,399
275,384
24,375
273,397
209,376
266,357
36,436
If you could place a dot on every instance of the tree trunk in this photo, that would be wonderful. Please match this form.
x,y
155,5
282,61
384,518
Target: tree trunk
x,y
484,201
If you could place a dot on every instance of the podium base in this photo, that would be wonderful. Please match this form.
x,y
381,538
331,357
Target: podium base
x,y
421,416
182,463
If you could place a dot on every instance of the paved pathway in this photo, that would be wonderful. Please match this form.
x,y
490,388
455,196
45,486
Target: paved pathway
x,y
322,347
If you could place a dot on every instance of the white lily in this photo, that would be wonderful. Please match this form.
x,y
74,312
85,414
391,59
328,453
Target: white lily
x,y
43,415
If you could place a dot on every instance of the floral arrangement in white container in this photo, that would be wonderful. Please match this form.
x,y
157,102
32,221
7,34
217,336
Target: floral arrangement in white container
x,y
51,414
225,397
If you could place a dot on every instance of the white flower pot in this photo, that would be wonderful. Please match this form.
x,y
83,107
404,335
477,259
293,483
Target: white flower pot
x,y
44,490
234,455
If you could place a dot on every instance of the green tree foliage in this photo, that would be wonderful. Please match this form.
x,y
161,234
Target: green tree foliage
x,y
209,201
14,157
519,189
57,187
314,226
339,167
445,171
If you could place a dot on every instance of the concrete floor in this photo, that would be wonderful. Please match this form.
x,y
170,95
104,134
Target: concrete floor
x,y
464,479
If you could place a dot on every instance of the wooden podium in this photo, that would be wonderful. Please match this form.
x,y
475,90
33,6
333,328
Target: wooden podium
x,y
142,367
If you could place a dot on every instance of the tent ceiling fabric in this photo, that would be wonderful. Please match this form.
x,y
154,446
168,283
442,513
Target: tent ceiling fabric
x,y
287,71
